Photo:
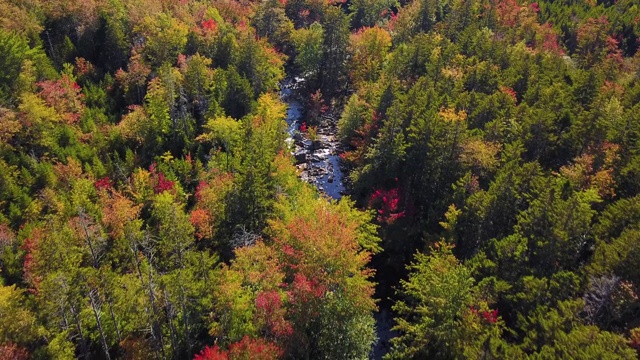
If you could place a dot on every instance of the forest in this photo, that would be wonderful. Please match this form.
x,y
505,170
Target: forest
x,y
154,203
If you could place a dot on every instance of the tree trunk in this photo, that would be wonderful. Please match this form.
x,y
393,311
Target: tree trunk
x,y
95,306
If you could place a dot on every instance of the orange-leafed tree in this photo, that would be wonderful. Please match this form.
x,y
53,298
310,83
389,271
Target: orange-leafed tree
x,y
320,247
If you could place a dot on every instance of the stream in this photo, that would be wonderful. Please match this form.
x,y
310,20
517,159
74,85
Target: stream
x,y
319,161
319,164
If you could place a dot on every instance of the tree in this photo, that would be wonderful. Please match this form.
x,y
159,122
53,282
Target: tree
x,y
174,231
560,332
226,134
308,45
330,295
254,272
557,226
307,290
594,42
20,18
335,40
165,37
263,139
19,325
246,348
259,63
492,213
156,125
15,51
355,114
64,96
617,234
369,47
134,80
441,314
237,95
198,78
369,13
271,22
588,342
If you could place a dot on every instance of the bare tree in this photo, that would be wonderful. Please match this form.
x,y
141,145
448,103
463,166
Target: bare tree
x,y
242,237
598,300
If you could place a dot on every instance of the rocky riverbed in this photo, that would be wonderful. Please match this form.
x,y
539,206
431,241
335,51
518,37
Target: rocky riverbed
x,y
318,160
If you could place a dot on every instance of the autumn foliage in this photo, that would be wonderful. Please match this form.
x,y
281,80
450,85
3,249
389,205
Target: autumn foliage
x,y
489,152
388,202
245,349
64,95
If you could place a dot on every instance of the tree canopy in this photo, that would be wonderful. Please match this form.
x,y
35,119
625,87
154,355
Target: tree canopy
x,y
152,205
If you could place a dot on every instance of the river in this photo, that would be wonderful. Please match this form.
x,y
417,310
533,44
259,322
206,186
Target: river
x,y
318,161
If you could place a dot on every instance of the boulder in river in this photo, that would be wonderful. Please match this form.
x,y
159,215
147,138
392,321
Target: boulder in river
x,y
300,156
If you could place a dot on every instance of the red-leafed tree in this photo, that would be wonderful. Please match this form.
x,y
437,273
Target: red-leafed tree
x,y
254,349
596,44
245,349
65,96
507,12
388,202
103,183
201,221
212,353
31,246
160,181
547,40
316,107
270,312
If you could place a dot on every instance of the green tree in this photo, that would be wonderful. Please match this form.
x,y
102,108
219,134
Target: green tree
x,y
260,64
165,37
19,325
440,313
335,52
15,51
368,13
308,45
272,23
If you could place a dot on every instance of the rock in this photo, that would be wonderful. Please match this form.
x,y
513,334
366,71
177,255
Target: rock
x,y
300,156
330,179
318,158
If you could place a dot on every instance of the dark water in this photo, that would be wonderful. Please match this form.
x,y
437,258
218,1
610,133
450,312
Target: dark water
x,y
320,165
